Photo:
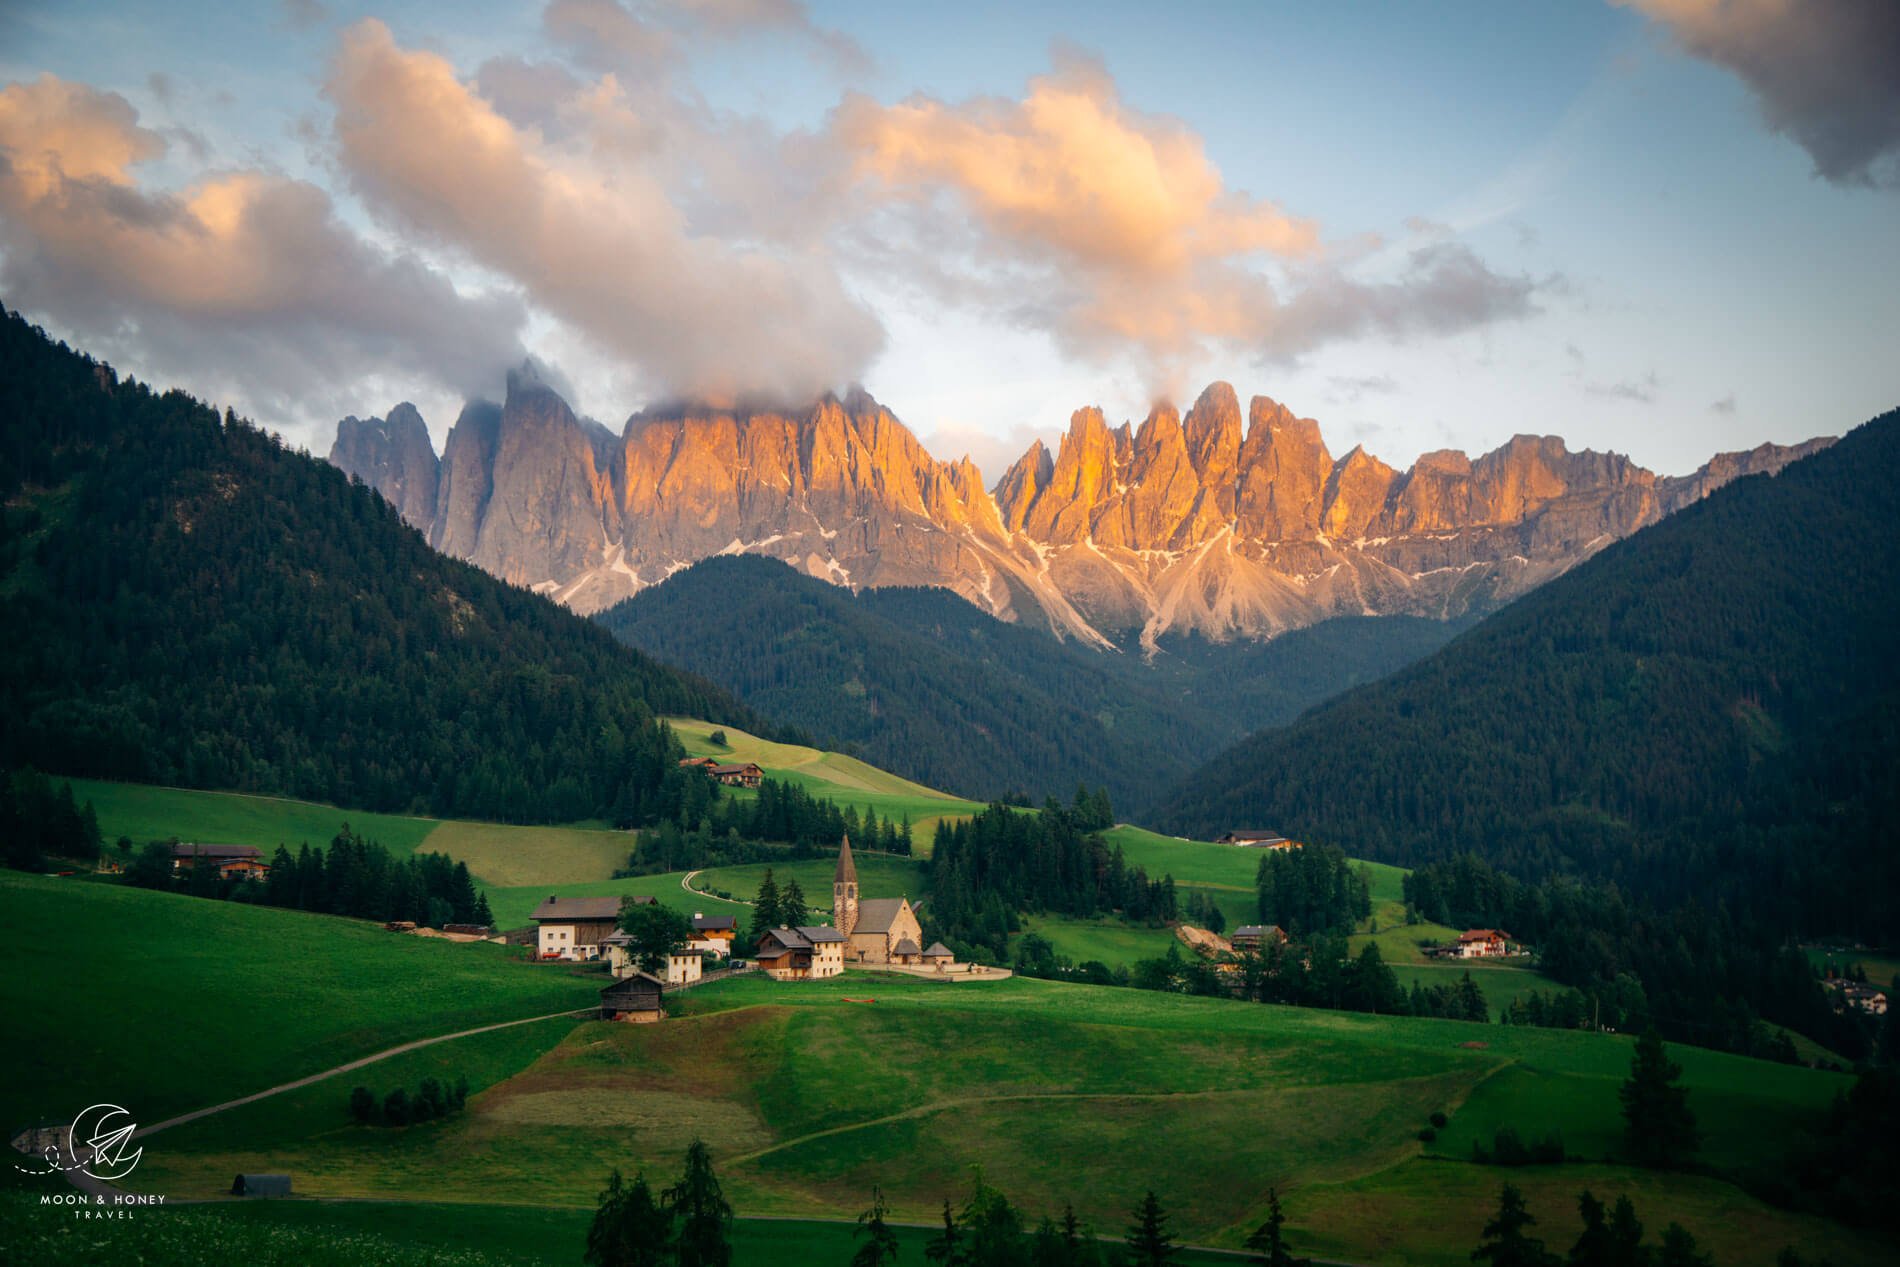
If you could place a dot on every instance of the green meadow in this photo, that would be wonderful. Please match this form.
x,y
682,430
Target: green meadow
x,y
143,813
811,1093
165,1003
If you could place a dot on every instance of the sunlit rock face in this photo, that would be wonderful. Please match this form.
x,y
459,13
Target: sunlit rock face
x,y
1211,523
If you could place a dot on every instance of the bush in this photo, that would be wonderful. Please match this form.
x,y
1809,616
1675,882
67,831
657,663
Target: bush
x,y
1427,1136
396,1107
718,739
362,1104
1508,1149
1439,1120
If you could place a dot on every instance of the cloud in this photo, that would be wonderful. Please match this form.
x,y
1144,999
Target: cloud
x,y
244,282
992,453
587,225
1070,212
650,39
1824,72
1352,388
1725,406
304,14
1639,391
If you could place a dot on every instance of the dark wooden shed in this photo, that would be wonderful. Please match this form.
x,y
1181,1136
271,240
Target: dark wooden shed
x,y
261,1186
634,998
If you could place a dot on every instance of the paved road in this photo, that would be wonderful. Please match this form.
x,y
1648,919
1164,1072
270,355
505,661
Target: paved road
x,y
344,1068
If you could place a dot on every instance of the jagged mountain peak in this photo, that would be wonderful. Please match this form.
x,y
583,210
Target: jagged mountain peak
x,y
1202,522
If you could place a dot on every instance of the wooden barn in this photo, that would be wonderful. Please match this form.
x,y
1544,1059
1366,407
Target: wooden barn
x,y
744,774
633,998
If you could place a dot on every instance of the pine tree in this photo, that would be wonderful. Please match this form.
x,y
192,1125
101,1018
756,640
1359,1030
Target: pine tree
x,y
946,1247
705,1219
1626,1237
1149,1244
792,910
1593,1246
1679,1249
1506,1243
765,907
630,1229
880,1242
1659,1127
1268,1240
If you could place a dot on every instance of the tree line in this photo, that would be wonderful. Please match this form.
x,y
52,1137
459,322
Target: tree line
x,y
987,870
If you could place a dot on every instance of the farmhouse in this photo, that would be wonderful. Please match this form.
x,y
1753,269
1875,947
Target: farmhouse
x,y
1482,943
1255,936
1861,997
682,967
746,774
1256,840
879,929
635,998
807,953
707,764
243,862
572,927
713,933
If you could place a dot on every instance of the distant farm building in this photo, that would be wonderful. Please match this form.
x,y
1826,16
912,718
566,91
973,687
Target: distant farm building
x,y
713,933
1861,997
239,862
807,953
708,764
573,927
261,1186
682,967
1254,937
938,956
634,998
1256,840
1482,943
469,930
745,774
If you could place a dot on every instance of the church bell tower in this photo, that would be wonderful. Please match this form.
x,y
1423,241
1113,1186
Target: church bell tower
x,y
844,891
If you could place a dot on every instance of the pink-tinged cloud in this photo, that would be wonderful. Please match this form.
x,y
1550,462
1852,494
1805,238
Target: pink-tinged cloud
x,y
1825,72
1071,212
586,224
244,282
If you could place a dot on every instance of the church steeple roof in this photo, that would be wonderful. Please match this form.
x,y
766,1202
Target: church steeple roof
x,y
847,870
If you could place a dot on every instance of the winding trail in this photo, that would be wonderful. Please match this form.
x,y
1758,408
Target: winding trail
x,y
282,1087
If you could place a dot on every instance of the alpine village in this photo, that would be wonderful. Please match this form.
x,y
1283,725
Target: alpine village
x,y
513,755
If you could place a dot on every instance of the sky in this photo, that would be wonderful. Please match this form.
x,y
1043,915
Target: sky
x,y
1661,227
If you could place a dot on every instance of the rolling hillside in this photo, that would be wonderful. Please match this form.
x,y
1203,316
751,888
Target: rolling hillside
x,y
188,602
1706,709
920,681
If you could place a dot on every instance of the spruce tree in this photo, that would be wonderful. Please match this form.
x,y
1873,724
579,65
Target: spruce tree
x,y
1149,1244
946,1247
704,1217
1679,1249
630,1229
792,910
1506,1242
1659,1127
1626,1237
1593,1246
880,1242
765,907
1268,1241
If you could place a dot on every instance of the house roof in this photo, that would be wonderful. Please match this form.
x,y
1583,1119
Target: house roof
x,y
705,761
877,914
634,983
1481,934
906,946
818,934
186,850
713,923
1244,834
938,951
583,908
744,767
789,938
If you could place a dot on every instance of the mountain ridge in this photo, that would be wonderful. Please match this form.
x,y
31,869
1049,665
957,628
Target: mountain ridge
x,y
1198,524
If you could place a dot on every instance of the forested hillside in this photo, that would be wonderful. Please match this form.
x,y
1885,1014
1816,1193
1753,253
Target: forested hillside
x,y
188,602
1707,715
921,682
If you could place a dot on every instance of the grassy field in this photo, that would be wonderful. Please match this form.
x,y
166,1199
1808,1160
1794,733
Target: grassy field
x,y
879,875
231,818
166,1003
810,1094
1880,966
1109,942
846,780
